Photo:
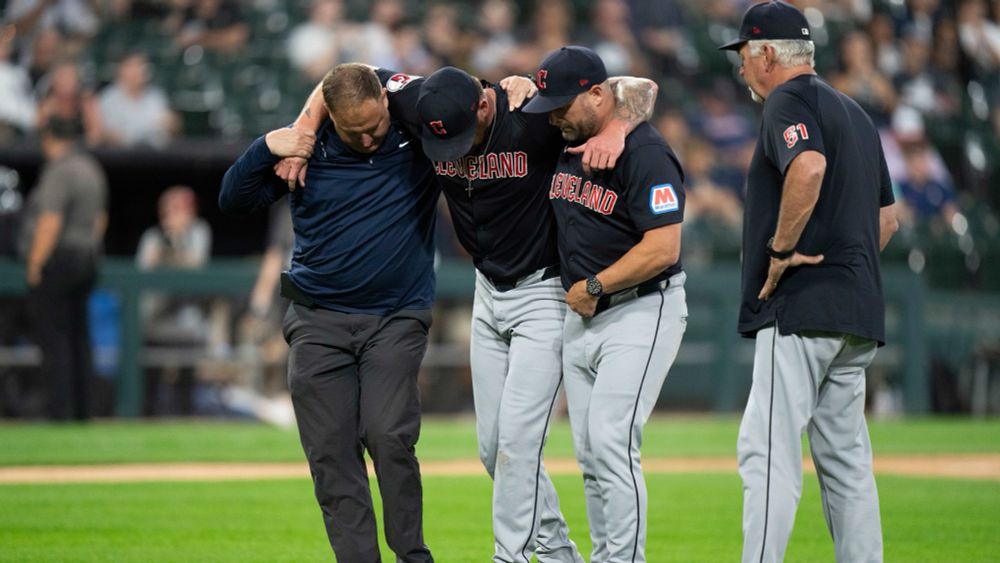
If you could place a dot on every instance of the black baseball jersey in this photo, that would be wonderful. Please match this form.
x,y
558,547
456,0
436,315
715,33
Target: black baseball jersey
x,y
496,194
844,292
602,216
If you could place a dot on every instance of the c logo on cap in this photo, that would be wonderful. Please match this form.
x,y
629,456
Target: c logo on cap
x,y
437,127
540,79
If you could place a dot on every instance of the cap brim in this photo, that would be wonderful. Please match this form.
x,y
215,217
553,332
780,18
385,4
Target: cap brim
x,y
447,150
733,45
545,104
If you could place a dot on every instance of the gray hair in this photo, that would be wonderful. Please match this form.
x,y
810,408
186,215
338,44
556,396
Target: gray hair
x,y
788,52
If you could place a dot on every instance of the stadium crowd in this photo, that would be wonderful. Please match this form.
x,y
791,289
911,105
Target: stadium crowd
x,y
154,75
143,72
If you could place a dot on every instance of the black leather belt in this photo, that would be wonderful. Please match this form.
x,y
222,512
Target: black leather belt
x,y
290,291
634,292
502,284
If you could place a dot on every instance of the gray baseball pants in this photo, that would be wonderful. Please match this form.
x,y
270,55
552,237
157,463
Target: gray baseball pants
x,y
616,363
516,374
809,382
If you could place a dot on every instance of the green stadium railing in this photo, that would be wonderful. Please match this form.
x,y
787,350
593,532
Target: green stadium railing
x,y
713,366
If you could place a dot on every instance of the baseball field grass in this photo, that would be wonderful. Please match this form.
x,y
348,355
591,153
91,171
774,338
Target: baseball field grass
x,y
694,516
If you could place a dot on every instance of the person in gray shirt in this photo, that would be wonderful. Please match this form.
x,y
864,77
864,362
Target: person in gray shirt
x,y
61,240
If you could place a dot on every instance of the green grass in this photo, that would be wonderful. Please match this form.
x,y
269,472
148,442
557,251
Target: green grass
x,y
692,518
121,442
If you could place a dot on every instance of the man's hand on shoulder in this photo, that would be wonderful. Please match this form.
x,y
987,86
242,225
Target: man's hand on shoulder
x,y
601,151
518,89
293,171
291,141
294,145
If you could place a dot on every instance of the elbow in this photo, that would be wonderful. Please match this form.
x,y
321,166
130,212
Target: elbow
x,y
889,226
668,258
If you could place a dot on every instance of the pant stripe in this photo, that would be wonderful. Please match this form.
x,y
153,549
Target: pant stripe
x,y
538,472
635,409
770,419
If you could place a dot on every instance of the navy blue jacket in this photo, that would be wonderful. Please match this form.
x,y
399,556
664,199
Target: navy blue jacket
x,y
363,224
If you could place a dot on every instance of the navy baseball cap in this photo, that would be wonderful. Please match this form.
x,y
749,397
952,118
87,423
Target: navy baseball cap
x,y
563,75
447,106
770,20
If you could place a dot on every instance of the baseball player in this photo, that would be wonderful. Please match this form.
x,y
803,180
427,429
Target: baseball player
x,y
819,208
619,235
494,166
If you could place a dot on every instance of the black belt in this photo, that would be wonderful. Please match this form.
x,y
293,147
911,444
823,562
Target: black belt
x,y
634,292
290,291
507,284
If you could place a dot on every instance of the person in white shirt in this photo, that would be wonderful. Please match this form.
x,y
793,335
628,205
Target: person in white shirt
x,y
133,112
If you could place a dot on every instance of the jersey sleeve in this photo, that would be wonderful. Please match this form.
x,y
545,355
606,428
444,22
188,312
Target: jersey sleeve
x,y
655,187
886,198
789,129
53,192
403,91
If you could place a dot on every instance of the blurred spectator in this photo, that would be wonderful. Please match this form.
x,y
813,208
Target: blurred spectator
x,y
61,240
610,35
497,19
551,28
707,198
76,21
180,240
215,25
659,27
17,104
314,45
861,80
908,130
921,87
132,111
979,37
719,119
46,51
888,58
923,16
64,96
443,37
924,197
373,43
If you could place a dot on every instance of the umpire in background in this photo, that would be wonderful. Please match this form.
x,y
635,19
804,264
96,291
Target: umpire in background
x,y
361,285
619,238
819,209
61,241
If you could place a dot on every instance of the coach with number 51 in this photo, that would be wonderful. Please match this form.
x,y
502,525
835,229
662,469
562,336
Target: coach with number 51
x,y
819,209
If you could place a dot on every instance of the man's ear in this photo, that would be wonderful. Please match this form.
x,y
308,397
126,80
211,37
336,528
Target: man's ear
x,y
385,98
770,57
598,93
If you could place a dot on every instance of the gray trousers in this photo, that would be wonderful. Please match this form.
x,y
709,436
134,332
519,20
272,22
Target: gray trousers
x,y
616,363
516,361
353,380
814,382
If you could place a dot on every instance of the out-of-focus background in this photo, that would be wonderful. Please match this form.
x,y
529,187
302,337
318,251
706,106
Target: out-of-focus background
x,y
166,94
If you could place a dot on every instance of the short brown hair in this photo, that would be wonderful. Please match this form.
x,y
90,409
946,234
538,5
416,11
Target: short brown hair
x,y
349,84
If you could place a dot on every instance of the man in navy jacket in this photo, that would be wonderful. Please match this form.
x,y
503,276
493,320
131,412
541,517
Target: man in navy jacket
x,y
361,285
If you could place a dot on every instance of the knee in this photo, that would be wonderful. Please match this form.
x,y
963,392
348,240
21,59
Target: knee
x,y
389,443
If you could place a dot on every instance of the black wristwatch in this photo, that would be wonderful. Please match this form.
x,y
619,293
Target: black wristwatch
x,y
778,254
594,286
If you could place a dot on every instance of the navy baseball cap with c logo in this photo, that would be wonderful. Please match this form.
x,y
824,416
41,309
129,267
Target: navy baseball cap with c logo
x,y
563,75
447,105
770,20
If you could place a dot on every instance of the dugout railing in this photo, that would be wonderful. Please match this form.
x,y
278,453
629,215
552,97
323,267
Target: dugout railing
x,y
713,368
